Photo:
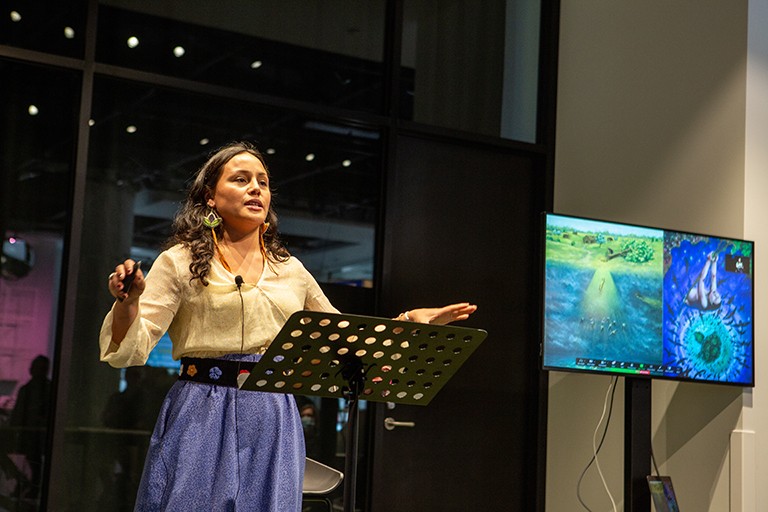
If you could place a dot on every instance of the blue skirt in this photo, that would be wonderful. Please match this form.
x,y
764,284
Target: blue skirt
x,y
222,449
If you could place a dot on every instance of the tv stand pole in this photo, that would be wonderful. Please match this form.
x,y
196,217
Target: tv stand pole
x,y
637,444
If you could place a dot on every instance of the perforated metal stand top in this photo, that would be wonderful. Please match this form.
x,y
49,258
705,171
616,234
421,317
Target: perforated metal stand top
x,y
327,354
361,357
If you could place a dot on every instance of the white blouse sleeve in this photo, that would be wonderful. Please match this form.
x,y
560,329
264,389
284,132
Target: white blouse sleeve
x,y
315,299
157,307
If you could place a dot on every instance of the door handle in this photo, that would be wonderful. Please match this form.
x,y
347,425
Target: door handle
x,y
391,424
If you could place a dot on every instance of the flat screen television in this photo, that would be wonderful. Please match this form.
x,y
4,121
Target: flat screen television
x,y
647,302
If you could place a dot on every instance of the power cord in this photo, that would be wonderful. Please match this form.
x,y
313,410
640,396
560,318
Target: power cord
x,y
607,404
653,459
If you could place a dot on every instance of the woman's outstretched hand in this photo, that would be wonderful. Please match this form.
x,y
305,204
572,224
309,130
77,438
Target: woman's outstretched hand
x,y
441,316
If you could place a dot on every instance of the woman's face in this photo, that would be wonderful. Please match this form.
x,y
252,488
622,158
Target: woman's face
x,y
242,195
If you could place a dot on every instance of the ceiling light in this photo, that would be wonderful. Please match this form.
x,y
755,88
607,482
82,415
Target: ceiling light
x,y
29,175
33,110
347,162
204,141
133,42
69,32
271,151
256,64
342,80
131,129
15,16
179,51
309,157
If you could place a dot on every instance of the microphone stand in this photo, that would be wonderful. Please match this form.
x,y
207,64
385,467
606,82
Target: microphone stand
x,y
354,373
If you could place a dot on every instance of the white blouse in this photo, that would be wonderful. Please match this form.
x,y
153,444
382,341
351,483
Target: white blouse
x,y
205,321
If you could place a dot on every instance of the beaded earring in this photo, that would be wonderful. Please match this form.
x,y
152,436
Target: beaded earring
x,y
211,219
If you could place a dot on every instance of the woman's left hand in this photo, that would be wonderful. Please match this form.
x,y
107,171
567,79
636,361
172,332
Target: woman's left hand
x,y
444,315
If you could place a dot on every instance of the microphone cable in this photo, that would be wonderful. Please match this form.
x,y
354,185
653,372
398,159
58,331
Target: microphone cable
x,y
239,283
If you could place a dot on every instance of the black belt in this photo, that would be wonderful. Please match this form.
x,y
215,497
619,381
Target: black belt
x,y
221,372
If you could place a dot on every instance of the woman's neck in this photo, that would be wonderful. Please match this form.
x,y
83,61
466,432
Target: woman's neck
x,y
243,254
241,238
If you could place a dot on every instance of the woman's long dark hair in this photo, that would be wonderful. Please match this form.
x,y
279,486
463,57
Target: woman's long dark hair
x,y
188,227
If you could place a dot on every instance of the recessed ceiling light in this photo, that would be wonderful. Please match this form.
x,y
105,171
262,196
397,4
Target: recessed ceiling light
x,y
133,42
33,110
256,64
204,141
309,157
179,51
271,151
15,16
131,129
69,32
347,162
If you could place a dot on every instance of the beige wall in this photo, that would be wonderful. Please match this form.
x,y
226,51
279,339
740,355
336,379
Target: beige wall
x,y
651,130
754,454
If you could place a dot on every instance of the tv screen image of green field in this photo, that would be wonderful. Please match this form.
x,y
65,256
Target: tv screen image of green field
x,y
644,301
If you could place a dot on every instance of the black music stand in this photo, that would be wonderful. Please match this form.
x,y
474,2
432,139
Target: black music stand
x,y
352,357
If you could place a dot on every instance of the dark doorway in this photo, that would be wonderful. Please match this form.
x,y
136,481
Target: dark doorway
x,y
462,226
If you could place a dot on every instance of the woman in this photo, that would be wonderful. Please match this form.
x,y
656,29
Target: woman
x,y
223,289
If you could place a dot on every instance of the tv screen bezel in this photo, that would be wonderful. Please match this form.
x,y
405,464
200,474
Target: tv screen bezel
x,y
597,371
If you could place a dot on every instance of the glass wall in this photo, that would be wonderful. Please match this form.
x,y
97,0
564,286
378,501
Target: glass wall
x,y
39,115
327,52
471,65
51,27
147,141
